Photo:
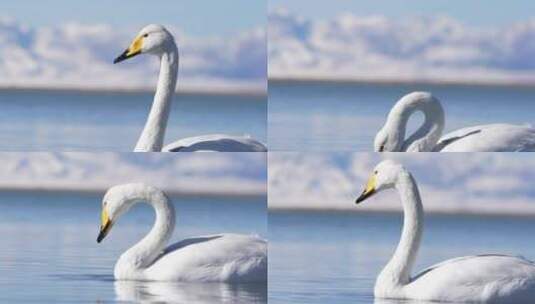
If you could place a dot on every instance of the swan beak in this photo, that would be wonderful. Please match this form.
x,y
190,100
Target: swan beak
x,y
133,50
105,227
369,191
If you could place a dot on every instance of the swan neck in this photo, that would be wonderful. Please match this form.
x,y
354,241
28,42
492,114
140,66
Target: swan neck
x,y
428,134
152,137
151,246
398,270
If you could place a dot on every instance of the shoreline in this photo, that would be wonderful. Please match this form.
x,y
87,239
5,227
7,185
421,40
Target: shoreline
x,y
261,92
393,81
102,190
253,92
485,213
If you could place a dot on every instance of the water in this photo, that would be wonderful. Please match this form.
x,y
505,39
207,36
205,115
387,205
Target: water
x,y
74,121
334,257
335,117
49,252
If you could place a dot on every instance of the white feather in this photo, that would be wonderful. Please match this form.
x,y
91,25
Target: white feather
x,y
158,41
486,278
213,258
484,138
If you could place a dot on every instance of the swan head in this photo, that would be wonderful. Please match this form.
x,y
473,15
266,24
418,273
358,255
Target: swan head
x,y
116,202
391,138
153,39
383,142
385,175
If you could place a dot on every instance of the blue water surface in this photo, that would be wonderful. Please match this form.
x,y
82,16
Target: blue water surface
x,y
49,252
332,257
93,121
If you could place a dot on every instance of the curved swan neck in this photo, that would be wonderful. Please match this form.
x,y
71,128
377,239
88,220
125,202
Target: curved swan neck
x,y
427,136
151,139
397,271
151,246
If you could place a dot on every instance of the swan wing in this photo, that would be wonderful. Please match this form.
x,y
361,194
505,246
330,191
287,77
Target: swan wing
x,y
216,143
489,138
215,258
480,278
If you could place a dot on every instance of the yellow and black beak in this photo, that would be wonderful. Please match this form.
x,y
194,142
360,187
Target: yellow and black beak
x,y
368,191
105,226
133,50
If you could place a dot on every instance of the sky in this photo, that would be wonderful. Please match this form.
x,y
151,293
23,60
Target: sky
x,y
71,44
475,12
481,183
205,173
197,17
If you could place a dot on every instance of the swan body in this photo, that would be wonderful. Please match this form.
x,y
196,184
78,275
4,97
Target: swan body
x,y
477,279
484,278
216,142
493,137
483,138
212,258
158,41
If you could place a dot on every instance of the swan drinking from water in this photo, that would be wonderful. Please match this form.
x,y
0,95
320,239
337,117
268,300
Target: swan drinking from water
x,y
486,278
484,138
157,40
214,258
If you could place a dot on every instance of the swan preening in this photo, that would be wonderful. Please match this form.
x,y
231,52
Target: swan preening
x,y
157,40
484,138
213,258
487,278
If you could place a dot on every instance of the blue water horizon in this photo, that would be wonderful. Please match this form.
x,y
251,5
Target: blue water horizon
x,y
345,116
63,120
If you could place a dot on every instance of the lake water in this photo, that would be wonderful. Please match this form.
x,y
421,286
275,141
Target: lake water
x,y
334,117
74,121
334,257
49,252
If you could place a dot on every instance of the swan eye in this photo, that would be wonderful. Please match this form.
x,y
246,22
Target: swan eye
x,y
382,148
146,35
375,172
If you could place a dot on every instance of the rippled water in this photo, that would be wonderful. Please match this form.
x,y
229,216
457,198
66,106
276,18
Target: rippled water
x,y
45,121
49,252
335,117
335,257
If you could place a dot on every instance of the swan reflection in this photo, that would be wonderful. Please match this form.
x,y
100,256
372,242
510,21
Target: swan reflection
x,y
149,292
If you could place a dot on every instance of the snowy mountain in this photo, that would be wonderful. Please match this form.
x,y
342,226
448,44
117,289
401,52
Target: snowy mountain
x,y
418,48
449,182
205,173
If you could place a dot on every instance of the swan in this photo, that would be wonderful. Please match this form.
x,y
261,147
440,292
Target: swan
x,y
484,138
213,258
157,40
488,278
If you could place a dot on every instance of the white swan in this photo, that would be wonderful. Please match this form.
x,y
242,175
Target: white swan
x,y
213,258
478,279
484,138
156,40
